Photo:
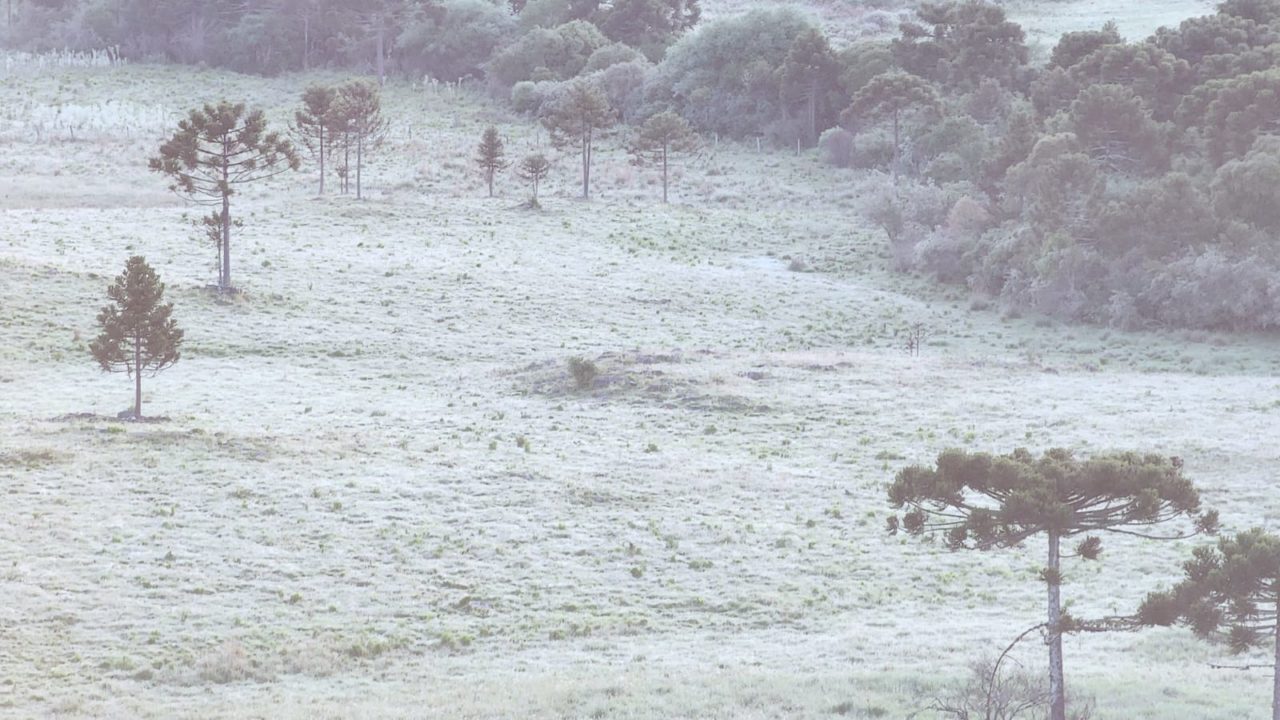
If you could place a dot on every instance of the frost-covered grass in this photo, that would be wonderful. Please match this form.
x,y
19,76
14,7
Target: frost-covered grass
x,y
381,492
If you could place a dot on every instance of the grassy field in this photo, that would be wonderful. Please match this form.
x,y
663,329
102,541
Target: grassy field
x,y
380,494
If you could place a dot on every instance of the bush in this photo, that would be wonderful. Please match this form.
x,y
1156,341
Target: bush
x,y
724,78
609,55
625,85
836,147
459,44
559,53
584,373
530,98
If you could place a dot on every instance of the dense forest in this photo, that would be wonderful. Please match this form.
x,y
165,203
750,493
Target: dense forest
x,y
1132,183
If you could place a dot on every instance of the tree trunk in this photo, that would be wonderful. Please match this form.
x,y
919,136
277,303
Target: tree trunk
x,y
322,158
897,146
1057,689
224,276
489,177
813,111
664,172
359,162
137,376
1275,674
224,281
586,165
382,66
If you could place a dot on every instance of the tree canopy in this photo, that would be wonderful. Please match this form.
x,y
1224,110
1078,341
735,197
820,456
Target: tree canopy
x,y
983,501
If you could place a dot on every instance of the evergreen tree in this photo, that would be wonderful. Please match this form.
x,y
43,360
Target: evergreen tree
x,y
809,76
892,95
138,333
491,156
534,169
1230,592
1074,46
358,116
216,149
661,136
575,119
980,501
311,123
960,43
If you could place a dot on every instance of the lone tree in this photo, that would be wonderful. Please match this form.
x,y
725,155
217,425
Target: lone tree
x,y
891,95
491,155
1232,593
138,333
574,119
311,124
217,148
534,169
661,136
358,116
980,501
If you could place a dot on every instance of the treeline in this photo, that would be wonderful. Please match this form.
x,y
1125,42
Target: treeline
x,y
1127,183
444,39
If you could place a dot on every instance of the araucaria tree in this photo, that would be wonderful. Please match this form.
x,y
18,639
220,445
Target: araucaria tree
x,y
660,137
217,148
1231,592
533,169
491,156
891,95
311,123
980,501
138,333
574,120
358,115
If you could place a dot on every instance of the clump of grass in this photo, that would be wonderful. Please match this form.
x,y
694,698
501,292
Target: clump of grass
x,y
584,372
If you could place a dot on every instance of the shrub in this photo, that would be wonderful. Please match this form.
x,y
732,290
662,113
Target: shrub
x,y
459,43
557,53
611,54
625,85
584,372
724,78
836,147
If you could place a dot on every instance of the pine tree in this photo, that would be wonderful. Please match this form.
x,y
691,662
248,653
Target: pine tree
x,y
1231,593
138,333
491,156
979,501
215,149
534,169
358,115
892,95
661,136
808,77
575,119
311,124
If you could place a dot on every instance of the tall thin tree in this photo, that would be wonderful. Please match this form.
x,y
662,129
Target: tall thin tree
x,y
311,123
491,155
575,119
534,169
662,136
980,501
138,333
358,112
216,149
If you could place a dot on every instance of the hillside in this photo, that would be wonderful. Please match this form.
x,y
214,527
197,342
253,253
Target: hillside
x,y
379,493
